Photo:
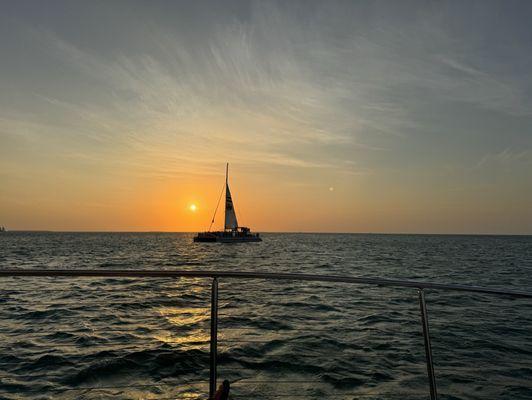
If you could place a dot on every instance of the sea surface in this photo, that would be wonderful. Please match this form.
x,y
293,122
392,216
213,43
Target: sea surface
x,y
103,338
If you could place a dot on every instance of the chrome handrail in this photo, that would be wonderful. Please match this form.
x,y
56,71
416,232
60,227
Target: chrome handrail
x,y
124,273
216,275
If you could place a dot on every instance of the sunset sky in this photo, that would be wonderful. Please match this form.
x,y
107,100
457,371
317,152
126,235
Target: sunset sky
x,y
352,116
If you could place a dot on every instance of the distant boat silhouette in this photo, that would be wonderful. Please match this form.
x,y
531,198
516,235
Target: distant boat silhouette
x,y
232,233
3,229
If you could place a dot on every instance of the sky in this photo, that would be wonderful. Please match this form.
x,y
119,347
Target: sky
x,y
351,116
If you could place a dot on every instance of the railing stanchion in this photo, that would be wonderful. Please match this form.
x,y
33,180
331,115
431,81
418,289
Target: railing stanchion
x,y
428,347
214,338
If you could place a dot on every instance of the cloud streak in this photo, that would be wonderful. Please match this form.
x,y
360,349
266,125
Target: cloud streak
x,y
353,93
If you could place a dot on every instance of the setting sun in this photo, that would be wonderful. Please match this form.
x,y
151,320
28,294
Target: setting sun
x,y
193,207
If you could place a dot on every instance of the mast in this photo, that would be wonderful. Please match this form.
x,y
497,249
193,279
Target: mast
x,y
226,189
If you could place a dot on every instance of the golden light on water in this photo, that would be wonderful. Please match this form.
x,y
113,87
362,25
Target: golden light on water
x,y
185,318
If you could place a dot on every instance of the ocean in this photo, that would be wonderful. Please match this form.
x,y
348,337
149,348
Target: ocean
x,y
118,338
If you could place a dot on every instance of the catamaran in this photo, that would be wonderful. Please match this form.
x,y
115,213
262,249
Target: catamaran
x,y
232,233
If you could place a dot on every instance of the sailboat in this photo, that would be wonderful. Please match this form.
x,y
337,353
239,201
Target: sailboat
x,y
232,233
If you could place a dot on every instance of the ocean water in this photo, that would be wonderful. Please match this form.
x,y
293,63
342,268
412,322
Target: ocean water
x,y
89,338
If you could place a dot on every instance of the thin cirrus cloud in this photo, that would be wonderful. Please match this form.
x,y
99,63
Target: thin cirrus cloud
x,y
352,93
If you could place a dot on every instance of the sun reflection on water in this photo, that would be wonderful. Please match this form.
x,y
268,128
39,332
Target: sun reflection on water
x,y
189,326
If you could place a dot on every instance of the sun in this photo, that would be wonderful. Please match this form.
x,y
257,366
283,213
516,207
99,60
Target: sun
x,y
193,207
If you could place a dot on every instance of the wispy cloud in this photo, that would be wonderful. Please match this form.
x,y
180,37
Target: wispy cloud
x,y
507,156
310,90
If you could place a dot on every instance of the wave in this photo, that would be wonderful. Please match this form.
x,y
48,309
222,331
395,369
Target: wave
x,y
156,363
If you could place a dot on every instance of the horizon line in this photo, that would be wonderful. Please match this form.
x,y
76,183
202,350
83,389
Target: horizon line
x,y
273,232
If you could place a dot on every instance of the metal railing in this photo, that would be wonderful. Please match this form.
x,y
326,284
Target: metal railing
x,y
216,275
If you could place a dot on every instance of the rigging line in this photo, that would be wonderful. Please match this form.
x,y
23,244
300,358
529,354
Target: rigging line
x,y
139,305
374,395
27,317
89,331
102,343
216,210
90,388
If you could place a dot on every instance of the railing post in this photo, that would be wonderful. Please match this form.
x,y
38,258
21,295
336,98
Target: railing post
x,y
428,348
214,338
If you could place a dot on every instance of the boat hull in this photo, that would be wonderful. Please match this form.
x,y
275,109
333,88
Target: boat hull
x,y
227,237
204,239
239,239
